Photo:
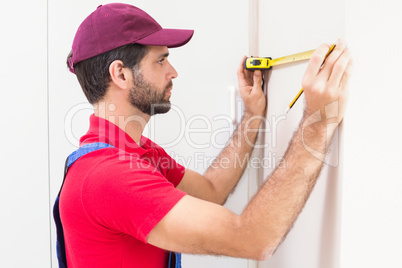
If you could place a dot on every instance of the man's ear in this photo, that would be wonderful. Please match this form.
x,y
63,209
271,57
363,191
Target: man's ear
x,y
120,75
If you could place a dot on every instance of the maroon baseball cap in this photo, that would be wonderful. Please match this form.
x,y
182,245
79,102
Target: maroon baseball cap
x,y
113,25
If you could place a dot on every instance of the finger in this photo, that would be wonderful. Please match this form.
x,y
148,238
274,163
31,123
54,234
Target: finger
x,y
257,79
240,69
315,62
344,84
339,69
240,72
327,68
245,76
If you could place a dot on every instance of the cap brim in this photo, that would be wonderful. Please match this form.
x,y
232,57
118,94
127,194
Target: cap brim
x,y
167,37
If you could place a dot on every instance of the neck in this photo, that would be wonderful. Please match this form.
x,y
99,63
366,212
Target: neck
x,y
126,117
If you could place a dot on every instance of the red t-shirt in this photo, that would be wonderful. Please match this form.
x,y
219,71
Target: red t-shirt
x,y
112,198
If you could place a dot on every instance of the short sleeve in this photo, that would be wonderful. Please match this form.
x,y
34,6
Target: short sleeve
x,y
169,168
128,200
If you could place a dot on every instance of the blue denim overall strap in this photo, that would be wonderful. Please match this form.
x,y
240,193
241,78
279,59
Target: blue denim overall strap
x,y
174,260
85,149
60,245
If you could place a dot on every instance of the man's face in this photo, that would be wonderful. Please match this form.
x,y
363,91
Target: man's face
x,y
152,82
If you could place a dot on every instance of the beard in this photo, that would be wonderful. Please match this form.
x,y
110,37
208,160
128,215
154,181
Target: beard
x,y
147,98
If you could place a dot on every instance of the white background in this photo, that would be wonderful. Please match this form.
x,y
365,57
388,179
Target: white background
x,y
200,97
372,184
38,93
314,240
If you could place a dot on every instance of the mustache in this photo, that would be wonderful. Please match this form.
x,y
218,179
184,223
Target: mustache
x,y
169,86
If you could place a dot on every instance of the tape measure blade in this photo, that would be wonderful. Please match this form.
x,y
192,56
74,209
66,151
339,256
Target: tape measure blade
x,y
292,58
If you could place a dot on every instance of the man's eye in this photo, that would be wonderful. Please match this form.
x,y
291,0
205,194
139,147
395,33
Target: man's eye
x,y
161,61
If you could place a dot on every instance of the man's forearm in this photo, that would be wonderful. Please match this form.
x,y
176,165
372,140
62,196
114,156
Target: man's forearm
x,y
272,212
229,166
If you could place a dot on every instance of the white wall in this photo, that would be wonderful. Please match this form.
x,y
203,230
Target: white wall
x,y
24,190
33,63
201,97
372,200
288,27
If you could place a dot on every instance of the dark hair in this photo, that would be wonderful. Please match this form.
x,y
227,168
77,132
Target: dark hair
x,y
93,73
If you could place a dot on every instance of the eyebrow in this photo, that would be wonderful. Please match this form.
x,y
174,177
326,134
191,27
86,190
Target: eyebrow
x,y
163,55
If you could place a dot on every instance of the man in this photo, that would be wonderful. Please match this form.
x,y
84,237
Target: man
x,y
129,204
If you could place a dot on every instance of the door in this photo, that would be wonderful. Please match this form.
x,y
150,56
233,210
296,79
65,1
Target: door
x,y
284,28
200,121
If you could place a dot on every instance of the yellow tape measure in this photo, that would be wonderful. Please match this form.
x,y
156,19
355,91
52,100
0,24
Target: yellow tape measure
x,y
266,63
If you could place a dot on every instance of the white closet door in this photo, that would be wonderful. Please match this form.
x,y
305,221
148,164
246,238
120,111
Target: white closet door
x,y
288,27
24,180
372,200
198,125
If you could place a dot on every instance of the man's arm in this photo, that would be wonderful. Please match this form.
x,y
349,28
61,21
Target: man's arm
x,y
226,170
197,226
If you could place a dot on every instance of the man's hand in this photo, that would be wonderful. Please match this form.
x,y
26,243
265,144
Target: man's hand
x,y
251,91
326,86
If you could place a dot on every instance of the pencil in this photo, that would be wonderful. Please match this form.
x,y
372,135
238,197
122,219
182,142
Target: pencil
x,y
301,90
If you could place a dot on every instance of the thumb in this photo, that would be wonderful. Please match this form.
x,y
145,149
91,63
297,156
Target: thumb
x,y
257,79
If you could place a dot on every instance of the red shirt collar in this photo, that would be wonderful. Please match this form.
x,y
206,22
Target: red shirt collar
x,y
102,130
